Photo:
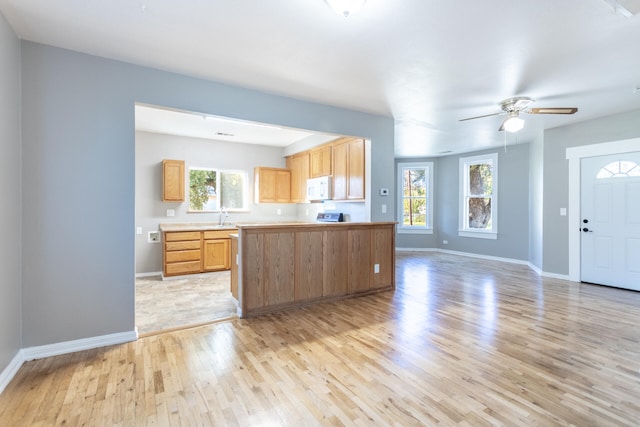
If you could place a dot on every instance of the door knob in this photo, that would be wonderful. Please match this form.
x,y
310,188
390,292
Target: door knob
x,y
586,230
586,221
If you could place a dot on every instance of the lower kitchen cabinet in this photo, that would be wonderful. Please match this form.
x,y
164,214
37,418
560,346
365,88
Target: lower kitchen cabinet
x,y
182,253
295,265
192,252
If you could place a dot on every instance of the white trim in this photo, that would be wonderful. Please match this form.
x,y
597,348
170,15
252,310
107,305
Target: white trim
x,y
428,229
40,352
11,370
575,155
478,234
414,230
493,258
56,349
140,275
463,178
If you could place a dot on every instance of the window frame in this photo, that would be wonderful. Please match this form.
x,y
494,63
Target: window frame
x,y
219,172
463,223
415,229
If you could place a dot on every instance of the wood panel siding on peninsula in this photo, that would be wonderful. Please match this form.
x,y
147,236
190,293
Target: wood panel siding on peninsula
x,y
289,265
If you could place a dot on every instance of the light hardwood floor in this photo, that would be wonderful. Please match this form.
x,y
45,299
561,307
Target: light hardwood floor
x,y
462,341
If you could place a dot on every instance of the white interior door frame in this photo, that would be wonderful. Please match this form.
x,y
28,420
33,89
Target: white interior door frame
x,y
575,155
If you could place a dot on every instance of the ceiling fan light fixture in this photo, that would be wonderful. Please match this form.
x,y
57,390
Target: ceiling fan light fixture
x,y
513,123
346,8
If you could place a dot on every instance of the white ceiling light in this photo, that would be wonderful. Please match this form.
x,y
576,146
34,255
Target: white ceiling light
x,y
513,123
346,8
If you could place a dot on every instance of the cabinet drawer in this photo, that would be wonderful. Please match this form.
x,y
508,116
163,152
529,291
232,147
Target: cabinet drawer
x,y
183,267
178,256
218,234
181,246
181,235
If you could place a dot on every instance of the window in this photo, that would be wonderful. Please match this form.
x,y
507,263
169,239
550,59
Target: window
x,y
479,196
619,169
415,182
211,190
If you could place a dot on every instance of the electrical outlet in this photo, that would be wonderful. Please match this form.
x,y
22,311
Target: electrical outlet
x,y
171,212
279,212
563,211
384,208
445,242
376,268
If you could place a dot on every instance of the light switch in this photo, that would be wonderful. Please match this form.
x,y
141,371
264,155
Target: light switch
x,y
138,230
384,208
563,211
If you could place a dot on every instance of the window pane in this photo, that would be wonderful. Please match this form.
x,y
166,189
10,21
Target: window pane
x,y
202,190
480,179
232,190
479,212
414,182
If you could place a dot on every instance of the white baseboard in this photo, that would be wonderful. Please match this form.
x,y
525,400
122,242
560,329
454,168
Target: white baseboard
x,y
10,371
42,351
472,255
557,276
140,275
467,254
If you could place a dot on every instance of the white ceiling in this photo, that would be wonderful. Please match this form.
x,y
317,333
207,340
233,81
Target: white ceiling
x,y
426,63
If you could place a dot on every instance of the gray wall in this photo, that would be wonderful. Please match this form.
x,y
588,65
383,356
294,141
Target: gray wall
x,y
513,208
152,148
10,214
556,178
79,169
536,207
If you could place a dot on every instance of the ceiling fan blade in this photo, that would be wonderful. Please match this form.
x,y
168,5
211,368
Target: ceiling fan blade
x,y
479,117
553,110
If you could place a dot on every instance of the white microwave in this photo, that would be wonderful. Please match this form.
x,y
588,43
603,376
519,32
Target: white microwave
x,y
319,189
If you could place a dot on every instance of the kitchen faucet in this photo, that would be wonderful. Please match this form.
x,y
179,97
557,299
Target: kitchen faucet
x,y
223,215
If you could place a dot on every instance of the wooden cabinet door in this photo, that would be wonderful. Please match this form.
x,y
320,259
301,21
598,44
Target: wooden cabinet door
x,y
299,167
272,185
253,265
216,255
359,259
320,161
265,185
283,186
308,265
355,169
334,263
279,267
340,170
173,180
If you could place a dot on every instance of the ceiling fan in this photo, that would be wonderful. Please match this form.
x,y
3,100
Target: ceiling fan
x,y
512,107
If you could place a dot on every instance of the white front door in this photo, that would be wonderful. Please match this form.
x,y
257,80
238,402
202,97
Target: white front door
x,y
610,220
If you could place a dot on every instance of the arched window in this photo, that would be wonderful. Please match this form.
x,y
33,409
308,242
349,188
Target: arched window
x,y
619,169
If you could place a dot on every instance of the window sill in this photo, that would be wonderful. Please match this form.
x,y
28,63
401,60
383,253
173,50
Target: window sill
x,y
415,230
478,234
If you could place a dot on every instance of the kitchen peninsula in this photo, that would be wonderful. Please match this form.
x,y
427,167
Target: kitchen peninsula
x,y
279,266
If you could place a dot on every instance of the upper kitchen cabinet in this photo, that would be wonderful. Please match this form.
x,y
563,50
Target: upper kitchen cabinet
x,y
320,161
298,164
173,180
272,185
348,169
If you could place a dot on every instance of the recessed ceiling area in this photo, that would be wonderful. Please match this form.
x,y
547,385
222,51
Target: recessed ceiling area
x,y
183,123
425,63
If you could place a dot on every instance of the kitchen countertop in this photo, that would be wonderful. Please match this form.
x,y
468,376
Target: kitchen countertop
x,y
203,226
